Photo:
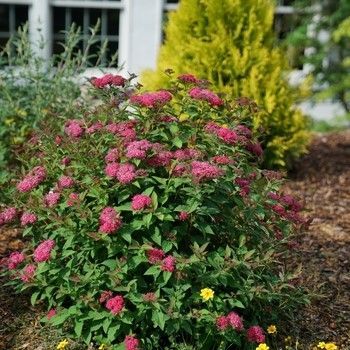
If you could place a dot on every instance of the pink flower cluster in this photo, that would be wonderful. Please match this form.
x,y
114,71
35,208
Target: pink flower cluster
x,y
155,255
138,149
94,127
140,202
186,154
110,221
66,161
232,320
222,160
206,95
65,182
163,158
74,128
43,250
254,148
14,260
225,134
205,171
188,78
51,313
73,199
108,80
255,334
152,99
244,185
28,218
131,343
168,264
115,305
51,199
242,130
112,156
183,215
33,179
28,273
105,295
123,129
8,215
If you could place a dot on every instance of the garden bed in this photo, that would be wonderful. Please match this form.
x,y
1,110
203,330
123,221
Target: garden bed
x,y
322,181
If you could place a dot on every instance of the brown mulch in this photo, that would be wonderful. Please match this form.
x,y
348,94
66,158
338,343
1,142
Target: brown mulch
x,y
322,181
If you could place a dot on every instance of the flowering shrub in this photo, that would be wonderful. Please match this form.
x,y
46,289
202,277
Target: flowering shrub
x,y
151,226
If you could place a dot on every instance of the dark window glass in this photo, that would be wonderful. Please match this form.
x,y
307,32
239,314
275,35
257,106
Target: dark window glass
x,y
4,15
21,14
113,22
59,19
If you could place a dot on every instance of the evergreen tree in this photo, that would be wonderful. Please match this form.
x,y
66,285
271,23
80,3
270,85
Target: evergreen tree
x,y
231,43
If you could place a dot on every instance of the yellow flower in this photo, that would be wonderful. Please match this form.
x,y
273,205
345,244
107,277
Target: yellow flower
x,y
272,329
262,346
207,294
321,345
331,346
102,347
62,345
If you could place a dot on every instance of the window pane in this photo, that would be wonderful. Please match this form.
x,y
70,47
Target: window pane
x,y
113,22
4,15
59,17
21,12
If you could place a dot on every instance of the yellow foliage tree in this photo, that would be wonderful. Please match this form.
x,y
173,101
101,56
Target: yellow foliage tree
x,y
231,43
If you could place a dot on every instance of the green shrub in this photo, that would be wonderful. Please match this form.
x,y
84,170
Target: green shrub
x,y
152,227
232,45
33,89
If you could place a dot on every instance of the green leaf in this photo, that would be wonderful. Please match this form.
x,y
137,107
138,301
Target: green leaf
x,y
34,298
78,327
153,270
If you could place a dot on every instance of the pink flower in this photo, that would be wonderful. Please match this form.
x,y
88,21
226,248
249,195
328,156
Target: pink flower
x,y
168,119
244,185
274,196
222,159
179,170
14,260
94,127
140,202
155,255
255,334
126,173
168,264
51,199
43,250
111,169
279,209
205,95
28,273
8,215
152,99
188,78
186,153
73,198
149,297
108,80
105,296
131,343
28,218
123,129
222,323
66,161
51,314
235,321
58,140
34,178
65,182
205,171
163,158
243,131
227,135
115,304
110,221
255,148
112,155
73,128
138,149
183,216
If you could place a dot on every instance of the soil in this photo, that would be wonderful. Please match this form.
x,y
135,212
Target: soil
x,y
322,181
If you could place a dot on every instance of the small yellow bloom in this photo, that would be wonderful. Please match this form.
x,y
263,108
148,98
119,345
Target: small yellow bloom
x,y
262,346
321,345
102,347
207,294
272,329
62,345
331,346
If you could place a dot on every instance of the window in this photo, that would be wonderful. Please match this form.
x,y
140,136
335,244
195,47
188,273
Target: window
x,y
85,18
12,16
